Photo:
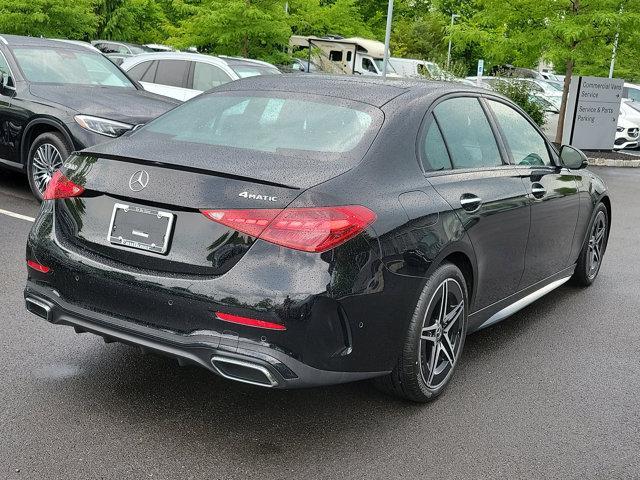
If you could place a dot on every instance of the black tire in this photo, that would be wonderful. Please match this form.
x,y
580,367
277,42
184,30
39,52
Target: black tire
x,y
595,243
411,379
39,168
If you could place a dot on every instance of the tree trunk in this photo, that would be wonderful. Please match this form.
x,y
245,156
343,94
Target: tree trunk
x,y
563,104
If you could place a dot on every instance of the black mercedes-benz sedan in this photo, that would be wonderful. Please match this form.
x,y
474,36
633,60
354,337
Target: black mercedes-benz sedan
x,y
300,231
57,97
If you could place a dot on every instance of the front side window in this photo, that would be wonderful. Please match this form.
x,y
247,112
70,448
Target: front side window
x,y
467,132
368,65
206,76
171,72
4,70
525,143
57,65
138,71
266,124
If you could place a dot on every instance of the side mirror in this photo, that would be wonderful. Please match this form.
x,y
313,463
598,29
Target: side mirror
x,y
572,158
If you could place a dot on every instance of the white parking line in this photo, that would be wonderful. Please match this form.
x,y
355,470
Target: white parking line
x,y
16,215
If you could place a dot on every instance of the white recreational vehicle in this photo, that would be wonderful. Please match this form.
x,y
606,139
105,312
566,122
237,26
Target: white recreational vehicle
x,y
344,55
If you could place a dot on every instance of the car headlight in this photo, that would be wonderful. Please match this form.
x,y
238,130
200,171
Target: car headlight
x,y
103,126
620,129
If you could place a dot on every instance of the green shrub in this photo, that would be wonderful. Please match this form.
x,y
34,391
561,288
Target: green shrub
x,y
521,94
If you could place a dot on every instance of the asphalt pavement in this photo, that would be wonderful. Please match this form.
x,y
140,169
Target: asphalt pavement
x,y
552,392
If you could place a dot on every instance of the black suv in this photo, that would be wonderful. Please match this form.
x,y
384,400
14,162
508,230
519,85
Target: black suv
x,y
57,97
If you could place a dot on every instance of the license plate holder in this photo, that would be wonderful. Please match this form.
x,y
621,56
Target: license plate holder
x,y
141,228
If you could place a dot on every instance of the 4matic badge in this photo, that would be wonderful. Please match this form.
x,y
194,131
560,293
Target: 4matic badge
x,y
255,196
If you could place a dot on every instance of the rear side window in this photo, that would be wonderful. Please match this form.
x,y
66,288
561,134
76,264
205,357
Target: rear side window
x,y
467,133
171,72
435,155
207,76
269,124
526,145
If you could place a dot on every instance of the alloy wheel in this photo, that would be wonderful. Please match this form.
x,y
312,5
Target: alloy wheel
x,y
46,160
596,244
441,334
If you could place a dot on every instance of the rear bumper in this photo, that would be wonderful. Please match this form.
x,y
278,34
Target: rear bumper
x,y
225,355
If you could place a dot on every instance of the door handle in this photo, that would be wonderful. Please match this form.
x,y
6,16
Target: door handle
x,y
470,202
538,190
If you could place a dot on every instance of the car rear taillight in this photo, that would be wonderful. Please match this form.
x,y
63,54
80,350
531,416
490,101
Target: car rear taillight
x,y
38,266
61,187
310,229
249,322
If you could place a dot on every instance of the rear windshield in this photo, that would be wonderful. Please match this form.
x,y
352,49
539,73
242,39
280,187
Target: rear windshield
x,y
266,124
244,70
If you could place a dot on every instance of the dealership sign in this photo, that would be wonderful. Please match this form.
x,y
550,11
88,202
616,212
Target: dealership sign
x,y
592,112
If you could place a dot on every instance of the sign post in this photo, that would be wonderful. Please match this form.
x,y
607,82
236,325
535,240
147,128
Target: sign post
x,y
480,72
592,112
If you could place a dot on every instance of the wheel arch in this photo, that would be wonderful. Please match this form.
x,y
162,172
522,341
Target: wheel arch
x,y
37,127
461,255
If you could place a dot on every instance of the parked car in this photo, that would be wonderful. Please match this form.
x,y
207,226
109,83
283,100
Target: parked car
x,y
412,68
631,91
301,65
626,135
183,75
57,97
118,51
156,47
308,230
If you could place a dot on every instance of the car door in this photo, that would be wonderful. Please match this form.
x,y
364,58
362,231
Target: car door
x,y
466,164
552,191
170,79
11,123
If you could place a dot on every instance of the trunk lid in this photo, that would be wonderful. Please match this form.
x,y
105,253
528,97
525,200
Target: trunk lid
x,y
147,216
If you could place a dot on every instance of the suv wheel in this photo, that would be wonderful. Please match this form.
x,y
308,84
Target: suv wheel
x,y
46,155
434,340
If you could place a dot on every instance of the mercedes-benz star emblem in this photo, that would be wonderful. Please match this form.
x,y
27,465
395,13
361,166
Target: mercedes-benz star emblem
x,y
138,180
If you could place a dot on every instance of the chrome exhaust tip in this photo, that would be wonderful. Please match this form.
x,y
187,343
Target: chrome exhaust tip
x,y
38,307
243,371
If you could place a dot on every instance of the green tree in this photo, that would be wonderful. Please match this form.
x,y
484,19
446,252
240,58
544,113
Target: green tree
x,y
251,28
74,19
138,21
569,33
313,17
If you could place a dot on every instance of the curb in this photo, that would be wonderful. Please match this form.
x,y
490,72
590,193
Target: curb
x,y
609,162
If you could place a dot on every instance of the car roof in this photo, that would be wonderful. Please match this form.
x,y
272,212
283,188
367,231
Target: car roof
x,y
187,56
17,40
371,90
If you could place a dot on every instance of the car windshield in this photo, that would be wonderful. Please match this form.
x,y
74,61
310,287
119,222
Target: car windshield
x,y
380,65
245,70
265,123
59,65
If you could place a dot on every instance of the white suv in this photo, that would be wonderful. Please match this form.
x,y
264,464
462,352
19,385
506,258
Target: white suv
x,y
183,75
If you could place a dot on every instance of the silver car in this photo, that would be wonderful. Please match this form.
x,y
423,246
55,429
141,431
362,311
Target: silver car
x,y
182,75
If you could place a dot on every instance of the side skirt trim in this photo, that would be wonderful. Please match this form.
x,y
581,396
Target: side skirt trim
x,y
523,302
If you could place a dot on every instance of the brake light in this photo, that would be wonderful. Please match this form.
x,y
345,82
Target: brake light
x,y
38,266
61,187
310,229
249,322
